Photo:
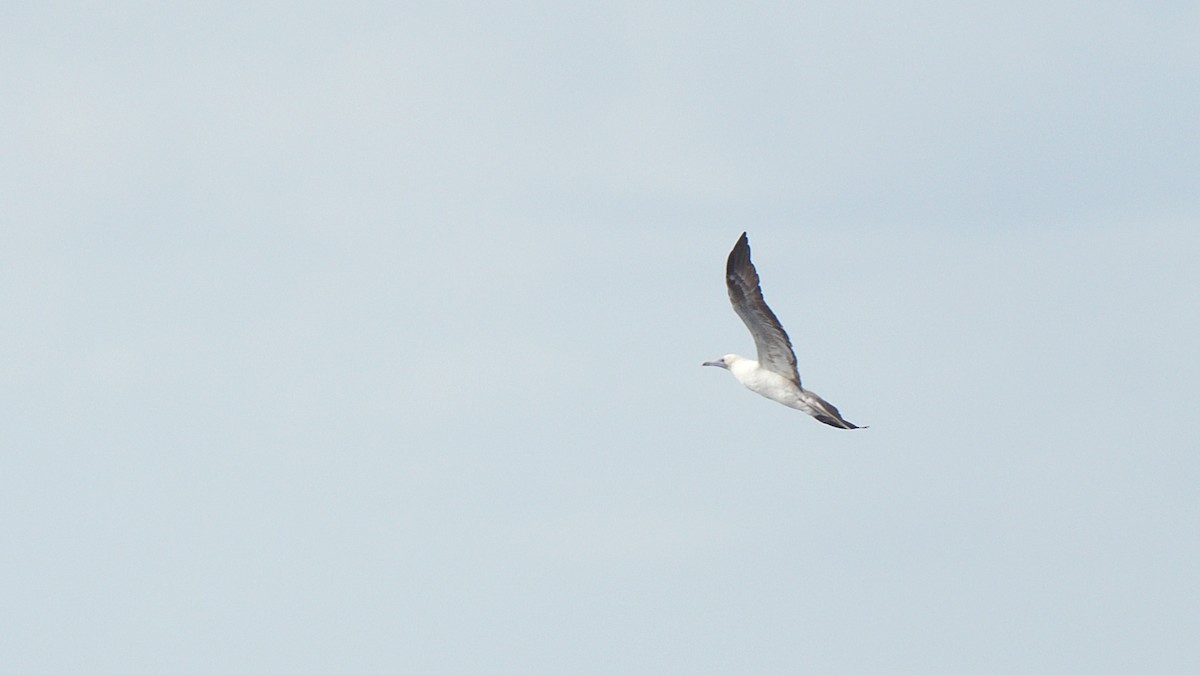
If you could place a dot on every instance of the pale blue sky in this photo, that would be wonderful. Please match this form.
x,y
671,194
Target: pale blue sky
x,y
366,337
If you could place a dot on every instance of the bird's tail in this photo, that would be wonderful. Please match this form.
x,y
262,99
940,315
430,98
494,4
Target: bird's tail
x,y
826,412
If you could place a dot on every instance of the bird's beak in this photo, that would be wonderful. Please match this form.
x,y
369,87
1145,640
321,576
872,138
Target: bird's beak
x,y
719,364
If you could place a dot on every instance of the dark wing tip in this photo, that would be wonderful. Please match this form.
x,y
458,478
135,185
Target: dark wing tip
x,y
739,256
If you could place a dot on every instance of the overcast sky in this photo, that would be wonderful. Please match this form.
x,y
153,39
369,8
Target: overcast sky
x,y
366,337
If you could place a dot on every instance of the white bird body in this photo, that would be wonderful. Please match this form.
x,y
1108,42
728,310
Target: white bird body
x,y
774,374
778,388
762,381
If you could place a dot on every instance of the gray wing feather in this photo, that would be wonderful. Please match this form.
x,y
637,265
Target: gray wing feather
x,y
774,348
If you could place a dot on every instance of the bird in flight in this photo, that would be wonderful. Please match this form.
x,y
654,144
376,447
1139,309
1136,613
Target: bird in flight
x,y
774,374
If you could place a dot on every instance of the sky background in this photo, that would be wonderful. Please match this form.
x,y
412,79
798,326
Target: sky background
x,y
366,337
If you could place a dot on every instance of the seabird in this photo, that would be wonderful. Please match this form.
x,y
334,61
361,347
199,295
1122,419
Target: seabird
x,y
774,374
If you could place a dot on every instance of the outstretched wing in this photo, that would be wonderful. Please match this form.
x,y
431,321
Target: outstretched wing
x,y
774,348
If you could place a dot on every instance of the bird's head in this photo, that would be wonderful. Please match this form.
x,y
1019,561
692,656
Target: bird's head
x,y
723,362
